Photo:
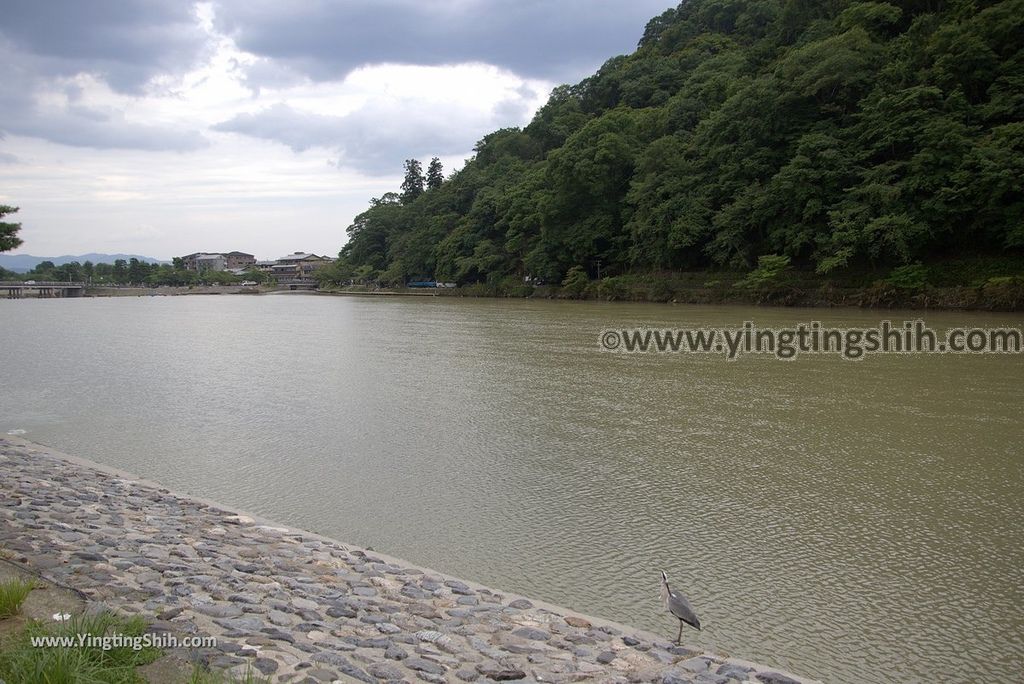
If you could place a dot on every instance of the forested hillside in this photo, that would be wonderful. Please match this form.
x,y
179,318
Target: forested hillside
x,y
842,135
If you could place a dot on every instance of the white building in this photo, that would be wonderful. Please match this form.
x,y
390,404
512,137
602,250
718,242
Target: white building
x,y
210,262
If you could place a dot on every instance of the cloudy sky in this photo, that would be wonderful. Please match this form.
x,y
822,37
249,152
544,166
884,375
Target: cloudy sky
x,y
160,127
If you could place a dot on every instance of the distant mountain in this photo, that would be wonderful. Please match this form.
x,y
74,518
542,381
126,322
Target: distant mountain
x,y
22,263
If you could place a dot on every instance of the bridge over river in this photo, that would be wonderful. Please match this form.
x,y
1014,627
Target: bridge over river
x,y
16,289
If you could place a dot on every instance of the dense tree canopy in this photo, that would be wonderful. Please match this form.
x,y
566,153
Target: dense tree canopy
x,y
837,134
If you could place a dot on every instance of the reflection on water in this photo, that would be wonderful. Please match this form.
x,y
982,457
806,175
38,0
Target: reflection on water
x,y
841,519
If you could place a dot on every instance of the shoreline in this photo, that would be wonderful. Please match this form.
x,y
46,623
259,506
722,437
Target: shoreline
x,y
1003,298
293,604
939,299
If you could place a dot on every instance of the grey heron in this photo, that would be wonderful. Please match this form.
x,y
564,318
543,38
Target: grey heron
x,y
678,606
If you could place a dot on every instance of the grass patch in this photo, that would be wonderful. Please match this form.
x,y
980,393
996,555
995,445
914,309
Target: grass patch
x,y
12,594
20,661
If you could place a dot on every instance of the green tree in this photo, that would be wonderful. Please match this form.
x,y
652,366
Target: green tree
x,y
435,174
912,277
71,272
119,273
44,270
102,272
371,232
559,118
589,176
137,270
8,231
339,272
259,276
772,271
669,220
576,281
211,277
412,185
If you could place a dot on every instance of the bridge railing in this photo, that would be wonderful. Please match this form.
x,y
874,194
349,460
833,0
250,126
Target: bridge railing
x,y
40,283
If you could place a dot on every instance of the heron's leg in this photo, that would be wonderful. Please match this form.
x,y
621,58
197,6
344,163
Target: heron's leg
x,y
679,639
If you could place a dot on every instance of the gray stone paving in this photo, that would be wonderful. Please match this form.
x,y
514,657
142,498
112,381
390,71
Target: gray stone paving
x,y
301,608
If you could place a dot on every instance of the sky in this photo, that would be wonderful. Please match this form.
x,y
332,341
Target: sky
x,y
162,128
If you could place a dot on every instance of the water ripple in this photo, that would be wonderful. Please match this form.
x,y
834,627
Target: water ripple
x,y
843,520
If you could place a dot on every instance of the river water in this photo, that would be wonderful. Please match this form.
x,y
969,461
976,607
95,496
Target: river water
x,y
847,520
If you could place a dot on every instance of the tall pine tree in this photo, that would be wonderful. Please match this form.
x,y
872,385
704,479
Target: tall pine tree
x,y
412,186
435,174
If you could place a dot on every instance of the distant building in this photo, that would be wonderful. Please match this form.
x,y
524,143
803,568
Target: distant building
x,y
218,261
210,262
239,260
297,266
189,261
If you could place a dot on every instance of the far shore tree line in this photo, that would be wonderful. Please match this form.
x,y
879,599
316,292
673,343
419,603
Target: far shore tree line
x,y
121,272
130,272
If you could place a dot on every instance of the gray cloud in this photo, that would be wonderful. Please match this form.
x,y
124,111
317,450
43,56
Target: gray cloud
x,y
280,123
102,129
518,108
373,139
124,42
84,127
8,158
266,73
561,40
76,124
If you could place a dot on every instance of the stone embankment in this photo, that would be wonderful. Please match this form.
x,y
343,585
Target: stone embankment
x,y
299,607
